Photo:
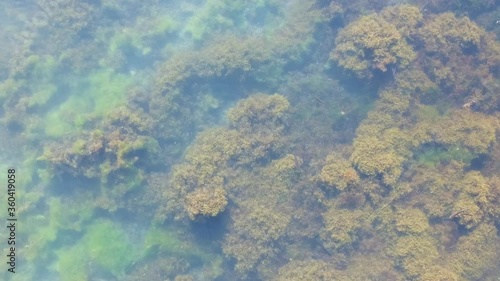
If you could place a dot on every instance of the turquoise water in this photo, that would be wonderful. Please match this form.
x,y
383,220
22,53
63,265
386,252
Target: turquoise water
x,y
250,140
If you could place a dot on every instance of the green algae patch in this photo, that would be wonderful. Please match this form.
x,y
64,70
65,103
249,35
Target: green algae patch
x,y
222,15
71,265
72,214
91,98
107,245
41,76
169,241
162,238
43,233
434,156
41,95
140,39
104,246
56,125
172,242
62,215
105,90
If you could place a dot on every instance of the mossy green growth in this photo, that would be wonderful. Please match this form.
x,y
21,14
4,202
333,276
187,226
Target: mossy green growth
x,y
207,16
9,87
123,41
162,26
70,215
42,95
108,245
434,156
91,97
105,169
71,264
223,15
146,144
104,245
42,232
56,124
125,181
33,85
28,168
161,240
167,240
41,68
107,90
31,192
41,74
141,38
61,215
79,147
428,113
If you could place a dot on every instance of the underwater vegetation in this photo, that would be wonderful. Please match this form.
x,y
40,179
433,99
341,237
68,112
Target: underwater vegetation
x,y
372,43
98,247
254,140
